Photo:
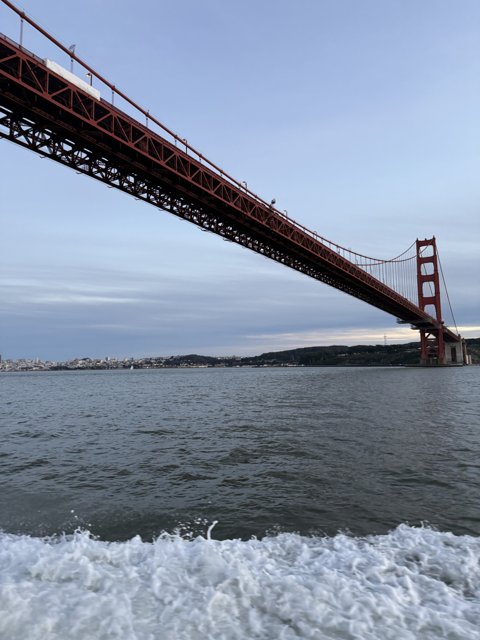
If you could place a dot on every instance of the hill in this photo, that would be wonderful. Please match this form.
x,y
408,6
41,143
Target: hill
x,y
359,355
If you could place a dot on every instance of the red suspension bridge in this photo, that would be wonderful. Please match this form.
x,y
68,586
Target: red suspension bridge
x,y
49,110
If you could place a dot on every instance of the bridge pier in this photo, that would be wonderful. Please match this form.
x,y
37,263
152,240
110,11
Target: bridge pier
x,y
432,348
434,351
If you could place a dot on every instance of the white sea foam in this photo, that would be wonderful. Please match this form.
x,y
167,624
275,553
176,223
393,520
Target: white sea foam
x,y
408,585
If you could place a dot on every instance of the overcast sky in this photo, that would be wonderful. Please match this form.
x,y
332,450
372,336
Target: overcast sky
x,y
361,117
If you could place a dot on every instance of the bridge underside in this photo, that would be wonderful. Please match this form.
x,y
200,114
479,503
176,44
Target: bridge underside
x,y
45,114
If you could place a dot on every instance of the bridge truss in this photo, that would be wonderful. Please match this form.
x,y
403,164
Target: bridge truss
x,y
58,117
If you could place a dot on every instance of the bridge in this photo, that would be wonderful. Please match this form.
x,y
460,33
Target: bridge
x,y
50,110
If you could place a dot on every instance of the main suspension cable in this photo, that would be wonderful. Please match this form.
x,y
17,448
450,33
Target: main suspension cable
x,y
446,291
150,119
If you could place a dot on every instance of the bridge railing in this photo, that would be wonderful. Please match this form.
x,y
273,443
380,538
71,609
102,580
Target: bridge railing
x,y
183,144
373,272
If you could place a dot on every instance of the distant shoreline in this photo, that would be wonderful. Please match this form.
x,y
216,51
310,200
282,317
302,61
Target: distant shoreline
x,y
392,355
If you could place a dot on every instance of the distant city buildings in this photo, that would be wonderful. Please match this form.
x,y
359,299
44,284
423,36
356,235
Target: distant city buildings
x,y
115,363
359,355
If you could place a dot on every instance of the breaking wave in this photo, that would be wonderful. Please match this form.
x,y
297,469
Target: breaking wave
x,y
411,584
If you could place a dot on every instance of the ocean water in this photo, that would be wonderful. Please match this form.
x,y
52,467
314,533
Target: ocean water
x,y
240,503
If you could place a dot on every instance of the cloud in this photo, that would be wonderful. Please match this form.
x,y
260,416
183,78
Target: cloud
x,y
469,331
355,154
331,335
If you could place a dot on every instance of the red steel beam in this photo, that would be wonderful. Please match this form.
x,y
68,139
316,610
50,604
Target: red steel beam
x,y
40,105
432,347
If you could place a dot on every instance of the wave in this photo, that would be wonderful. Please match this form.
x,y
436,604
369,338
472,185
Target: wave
x,y
411,584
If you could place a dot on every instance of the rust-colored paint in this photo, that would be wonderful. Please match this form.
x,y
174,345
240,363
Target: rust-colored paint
x,y
42,111
432,341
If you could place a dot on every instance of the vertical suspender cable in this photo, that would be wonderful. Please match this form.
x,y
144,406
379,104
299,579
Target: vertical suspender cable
x,y
446,290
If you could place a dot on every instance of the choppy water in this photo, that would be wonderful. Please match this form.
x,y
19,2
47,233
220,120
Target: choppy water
x,y
333,470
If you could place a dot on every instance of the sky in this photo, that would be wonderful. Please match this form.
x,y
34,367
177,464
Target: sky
x,y
360,117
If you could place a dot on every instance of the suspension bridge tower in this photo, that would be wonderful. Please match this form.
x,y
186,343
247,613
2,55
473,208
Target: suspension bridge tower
x,y
434,348
53,112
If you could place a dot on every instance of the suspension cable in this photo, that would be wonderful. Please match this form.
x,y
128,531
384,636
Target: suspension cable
x,y
446,291
223,174
432,293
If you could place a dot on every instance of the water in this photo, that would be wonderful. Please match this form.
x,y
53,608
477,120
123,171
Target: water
x,y
347,503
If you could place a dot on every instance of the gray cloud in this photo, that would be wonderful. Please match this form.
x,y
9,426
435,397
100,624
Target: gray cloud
x,y
359,138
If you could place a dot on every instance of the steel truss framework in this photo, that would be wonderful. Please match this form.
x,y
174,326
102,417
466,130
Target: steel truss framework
x,y
43,112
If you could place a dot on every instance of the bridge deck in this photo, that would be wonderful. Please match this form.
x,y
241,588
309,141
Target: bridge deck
x,y
46,113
